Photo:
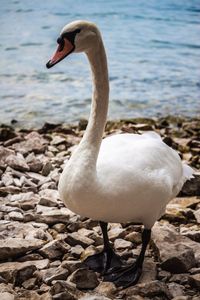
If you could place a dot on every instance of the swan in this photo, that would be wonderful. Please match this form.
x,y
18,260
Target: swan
x,y
122,178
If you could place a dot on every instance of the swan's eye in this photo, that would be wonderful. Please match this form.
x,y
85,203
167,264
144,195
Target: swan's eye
x,y
61,43
71,35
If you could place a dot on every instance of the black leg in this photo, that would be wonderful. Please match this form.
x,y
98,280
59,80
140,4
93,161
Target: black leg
x,y
104,229
107,259
129,275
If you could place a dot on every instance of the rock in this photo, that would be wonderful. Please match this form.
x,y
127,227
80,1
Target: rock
x,y
59,227
7,179
52,274
76,251
183,298
142,127
134,237
95,297
63,290
16,216
186,202
197,215
180,278
75,238
49,194
47,168
33,142
163,275
84,279
47,202
106,289
176,256
57,140
116,232
4,154
150,289
6,133
195,270
174,213
17,162
192,232
16,272
7,296
54,216
121,244
71,265
7,292
149,271
176,289
191,187
4,191
12,247
194,281
82,124
54,249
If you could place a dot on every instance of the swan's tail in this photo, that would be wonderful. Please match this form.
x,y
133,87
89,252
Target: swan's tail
x,y
187,172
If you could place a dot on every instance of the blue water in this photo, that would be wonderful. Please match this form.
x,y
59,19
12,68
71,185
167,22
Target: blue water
x,y
153,49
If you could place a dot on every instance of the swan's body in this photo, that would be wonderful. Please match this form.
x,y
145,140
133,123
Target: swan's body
x,y
125,177
135,177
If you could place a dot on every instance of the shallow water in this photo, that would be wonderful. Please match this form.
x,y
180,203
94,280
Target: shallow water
x,y
153,50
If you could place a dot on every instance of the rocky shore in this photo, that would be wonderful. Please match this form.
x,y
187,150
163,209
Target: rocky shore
x,y
42,243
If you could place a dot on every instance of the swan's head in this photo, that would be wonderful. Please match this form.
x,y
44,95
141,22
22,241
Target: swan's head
x,y
78,36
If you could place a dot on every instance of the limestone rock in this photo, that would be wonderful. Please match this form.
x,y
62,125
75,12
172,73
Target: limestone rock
x,y
30,283
191,187
197,215
7,296
192,232
84,279
17,162
52,217
195,281
54,249
149,271
71,265
16,272
150,289
47,202
52,274
4,154
62,290
174,251
94,297
33,142
75,238
106,288
13,247
121,244
176,289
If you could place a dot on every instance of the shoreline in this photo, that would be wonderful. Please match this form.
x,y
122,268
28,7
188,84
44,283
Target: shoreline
x,y
42,243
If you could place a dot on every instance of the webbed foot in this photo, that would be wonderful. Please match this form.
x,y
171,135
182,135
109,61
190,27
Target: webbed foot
x,y
103,261
125,276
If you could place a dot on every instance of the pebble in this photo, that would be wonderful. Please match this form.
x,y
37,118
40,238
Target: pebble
x,y
84,279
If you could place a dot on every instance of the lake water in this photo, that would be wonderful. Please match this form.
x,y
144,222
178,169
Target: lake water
x,y
153,49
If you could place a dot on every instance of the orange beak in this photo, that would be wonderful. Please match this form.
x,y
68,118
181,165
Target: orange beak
x,y
63,50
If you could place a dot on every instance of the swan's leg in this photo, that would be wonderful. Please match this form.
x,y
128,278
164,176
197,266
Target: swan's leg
x,y
103,261
130,275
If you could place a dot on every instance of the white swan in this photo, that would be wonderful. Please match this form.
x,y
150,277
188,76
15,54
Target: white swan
x,y
124,177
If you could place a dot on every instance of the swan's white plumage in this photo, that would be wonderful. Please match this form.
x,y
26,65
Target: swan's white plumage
x,y
136,176
126,177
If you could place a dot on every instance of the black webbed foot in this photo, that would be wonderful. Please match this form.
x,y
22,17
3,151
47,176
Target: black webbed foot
x,y
103,261
125,276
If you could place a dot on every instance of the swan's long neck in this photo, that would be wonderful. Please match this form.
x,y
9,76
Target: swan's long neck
x,y
88,149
